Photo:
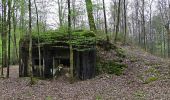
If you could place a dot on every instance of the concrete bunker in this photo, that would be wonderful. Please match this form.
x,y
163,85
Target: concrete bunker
x,y
55,56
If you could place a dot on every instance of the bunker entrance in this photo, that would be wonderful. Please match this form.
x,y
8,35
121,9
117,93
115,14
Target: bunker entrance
x,y
64,62
60,66
36,62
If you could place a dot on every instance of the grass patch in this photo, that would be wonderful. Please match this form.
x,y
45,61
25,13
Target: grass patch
x,y
152,70
149,75
140,95
98,97
48,98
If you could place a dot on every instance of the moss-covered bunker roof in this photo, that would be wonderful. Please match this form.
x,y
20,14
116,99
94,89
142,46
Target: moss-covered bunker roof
x,y
78,38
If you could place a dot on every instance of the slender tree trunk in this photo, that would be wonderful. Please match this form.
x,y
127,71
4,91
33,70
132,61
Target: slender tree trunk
x,y
114,16
9,35
14,15
4,37
30,45
60,13
143,23
125,26
105,21
74,13
169,29
39,48
137,28
150,26
168,43
163,30
118,21
71,49
22,17
89,7
133,27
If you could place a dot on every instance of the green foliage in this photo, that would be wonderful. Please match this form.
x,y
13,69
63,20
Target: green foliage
x,y
150,75
115,68
105,44
150,79
34,81
139,95
63,29
120,52
13,59
98,97
48,98
120,37
111,67
78,38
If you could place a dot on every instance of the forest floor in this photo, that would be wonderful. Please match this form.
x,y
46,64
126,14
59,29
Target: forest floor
x,y
146,78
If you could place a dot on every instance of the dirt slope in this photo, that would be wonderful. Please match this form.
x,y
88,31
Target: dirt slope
x,y
146,78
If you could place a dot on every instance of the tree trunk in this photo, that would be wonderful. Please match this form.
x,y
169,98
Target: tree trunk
x,y
4,37
89,7
74,13
14,15
30,45
22,18
39,48
143,23
9,35
60,13
105,21
125,26
71,49
118,21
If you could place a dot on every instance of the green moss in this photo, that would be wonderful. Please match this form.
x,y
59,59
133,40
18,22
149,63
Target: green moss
x,y
79,38
115,68
150,79
111,67
149,75
98,97
48,98
34,81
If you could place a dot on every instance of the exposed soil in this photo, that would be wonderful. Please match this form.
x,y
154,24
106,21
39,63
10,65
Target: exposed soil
x,y
146,78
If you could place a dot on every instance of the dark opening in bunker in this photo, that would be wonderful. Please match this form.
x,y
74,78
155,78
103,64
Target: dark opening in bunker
x,y
64,62
36,62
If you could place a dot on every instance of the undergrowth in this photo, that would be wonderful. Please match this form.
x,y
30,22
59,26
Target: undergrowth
x,y
112,66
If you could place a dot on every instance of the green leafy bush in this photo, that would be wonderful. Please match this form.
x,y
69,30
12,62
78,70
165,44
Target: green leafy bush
x,y
120,52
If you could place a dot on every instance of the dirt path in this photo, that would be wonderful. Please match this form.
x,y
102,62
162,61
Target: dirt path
x,y
146,78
